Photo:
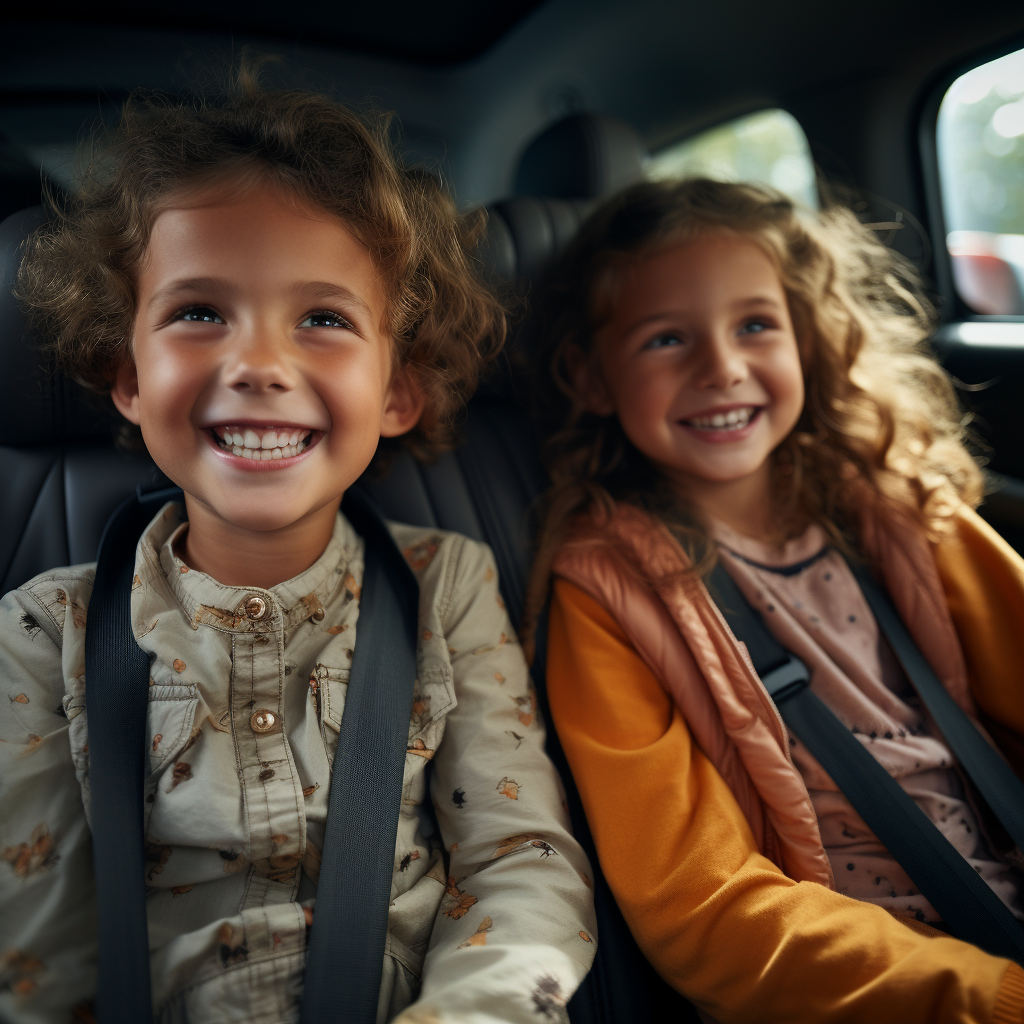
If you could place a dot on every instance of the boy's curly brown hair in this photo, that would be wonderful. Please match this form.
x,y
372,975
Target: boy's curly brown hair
x,y
78,277
880,421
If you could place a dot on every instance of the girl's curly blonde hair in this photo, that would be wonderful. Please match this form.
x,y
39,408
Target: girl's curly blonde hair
x,y
880,418
78,276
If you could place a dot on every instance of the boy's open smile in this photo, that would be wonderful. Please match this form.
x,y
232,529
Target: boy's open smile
x,y
264,447
263,375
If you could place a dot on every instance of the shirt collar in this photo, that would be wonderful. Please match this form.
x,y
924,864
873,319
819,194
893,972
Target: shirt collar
x,y
237,609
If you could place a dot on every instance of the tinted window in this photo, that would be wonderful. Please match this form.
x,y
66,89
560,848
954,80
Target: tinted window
x,y
768,147
981,170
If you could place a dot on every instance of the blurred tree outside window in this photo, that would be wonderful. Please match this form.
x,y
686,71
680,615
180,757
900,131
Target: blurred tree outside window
x,y
980,140
766,148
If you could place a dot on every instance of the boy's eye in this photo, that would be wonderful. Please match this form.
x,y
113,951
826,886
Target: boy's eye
x,y
199,315
325,318
664,341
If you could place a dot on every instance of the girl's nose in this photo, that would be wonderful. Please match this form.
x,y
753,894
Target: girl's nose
x,y
722,364
259,363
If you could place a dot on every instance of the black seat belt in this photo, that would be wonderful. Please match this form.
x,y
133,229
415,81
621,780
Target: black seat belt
x,y
350,922
968,907
346,951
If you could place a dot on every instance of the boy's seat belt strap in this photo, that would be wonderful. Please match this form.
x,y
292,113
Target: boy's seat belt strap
x,y
347,941
968,907
995,779
117,705
346,952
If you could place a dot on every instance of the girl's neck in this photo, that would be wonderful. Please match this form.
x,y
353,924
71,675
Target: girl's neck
x,y
249,558
745,506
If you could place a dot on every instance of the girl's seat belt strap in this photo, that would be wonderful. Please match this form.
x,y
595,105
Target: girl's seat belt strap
x,y
995,779
966,904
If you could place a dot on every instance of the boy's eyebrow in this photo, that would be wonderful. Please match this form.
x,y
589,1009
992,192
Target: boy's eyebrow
x,y
327,290
308,289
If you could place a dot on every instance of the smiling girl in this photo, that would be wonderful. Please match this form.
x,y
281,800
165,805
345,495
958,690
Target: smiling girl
x,y
728,379
265,294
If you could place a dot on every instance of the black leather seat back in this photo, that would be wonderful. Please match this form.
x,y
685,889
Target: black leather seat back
x,y
64,476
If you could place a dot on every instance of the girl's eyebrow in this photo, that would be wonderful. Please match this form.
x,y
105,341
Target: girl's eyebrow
x,y
748,302
311,290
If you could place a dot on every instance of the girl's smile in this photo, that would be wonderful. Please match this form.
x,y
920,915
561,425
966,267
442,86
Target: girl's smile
x,y
699,362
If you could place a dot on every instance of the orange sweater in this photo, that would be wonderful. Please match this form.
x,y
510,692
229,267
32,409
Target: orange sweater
x,y
718,920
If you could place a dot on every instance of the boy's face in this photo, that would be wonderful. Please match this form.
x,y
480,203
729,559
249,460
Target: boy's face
x,y
262,379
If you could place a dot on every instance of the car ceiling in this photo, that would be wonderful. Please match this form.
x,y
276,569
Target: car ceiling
x,y
473,83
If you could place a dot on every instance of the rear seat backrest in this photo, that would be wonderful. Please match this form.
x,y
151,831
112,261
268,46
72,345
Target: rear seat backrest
x,y
64,476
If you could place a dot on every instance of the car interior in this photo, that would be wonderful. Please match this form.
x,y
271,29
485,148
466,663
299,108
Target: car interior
x,y
913,113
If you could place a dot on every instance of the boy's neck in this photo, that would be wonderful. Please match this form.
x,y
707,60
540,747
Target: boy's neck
x,y
251,558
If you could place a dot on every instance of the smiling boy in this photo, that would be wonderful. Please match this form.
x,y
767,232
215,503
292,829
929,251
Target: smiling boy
x,y
274,296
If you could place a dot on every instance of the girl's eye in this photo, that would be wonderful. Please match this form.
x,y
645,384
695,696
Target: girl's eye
x,y
755,327
664,341
199,315
325,318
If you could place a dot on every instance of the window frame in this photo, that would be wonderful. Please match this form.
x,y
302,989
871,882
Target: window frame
x,y
953,310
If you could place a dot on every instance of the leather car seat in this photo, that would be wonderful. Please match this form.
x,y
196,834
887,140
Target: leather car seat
x,y
65,476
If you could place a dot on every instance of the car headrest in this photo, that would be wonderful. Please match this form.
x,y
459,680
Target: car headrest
x,y
38,406
524,236
583,156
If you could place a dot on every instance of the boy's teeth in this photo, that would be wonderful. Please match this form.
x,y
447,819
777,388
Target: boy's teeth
x,y
262,446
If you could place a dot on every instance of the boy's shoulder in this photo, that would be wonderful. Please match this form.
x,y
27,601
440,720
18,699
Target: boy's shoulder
x,y
432,552
53,599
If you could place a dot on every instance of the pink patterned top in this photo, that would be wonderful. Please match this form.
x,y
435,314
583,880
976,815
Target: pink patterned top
x,y
813,605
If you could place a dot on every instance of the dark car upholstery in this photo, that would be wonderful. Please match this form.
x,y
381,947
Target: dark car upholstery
x,y
64,475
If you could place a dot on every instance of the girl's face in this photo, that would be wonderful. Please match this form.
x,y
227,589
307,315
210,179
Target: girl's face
x,y
262,375
699,362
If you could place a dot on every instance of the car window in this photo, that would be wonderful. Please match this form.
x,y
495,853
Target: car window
x,y
767,148
980,143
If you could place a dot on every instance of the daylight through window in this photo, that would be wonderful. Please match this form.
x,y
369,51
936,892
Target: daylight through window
x,y
981,168
767,148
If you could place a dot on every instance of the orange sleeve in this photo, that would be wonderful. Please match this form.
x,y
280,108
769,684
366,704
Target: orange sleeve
x,y
984,582
718,921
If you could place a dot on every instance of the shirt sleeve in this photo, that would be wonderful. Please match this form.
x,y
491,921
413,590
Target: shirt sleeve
x,y
720,922
514,935
983,579
47,904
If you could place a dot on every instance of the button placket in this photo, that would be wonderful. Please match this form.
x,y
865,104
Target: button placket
x,y
274,816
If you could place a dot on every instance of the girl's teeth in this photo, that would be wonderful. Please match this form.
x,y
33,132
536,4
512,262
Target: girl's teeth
x,y
732,420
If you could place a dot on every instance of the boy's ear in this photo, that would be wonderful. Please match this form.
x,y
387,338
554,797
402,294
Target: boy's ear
x,y
125,391
586,381
403,404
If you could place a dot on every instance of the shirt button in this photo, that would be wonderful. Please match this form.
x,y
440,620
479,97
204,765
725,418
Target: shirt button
x,y
263,720
255,608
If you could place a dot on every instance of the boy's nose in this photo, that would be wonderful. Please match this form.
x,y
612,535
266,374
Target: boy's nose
x,y
259,363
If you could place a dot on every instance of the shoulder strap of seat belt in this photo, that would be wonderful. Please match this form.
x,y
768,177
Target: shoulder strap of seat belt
x,y
347,941
346,953
117,704
968,907
995,779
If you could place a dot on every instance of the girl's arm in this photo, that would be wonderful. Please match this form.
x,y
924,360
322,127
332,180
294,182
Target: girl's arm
x,y
983,578
720,922
515,933
47,906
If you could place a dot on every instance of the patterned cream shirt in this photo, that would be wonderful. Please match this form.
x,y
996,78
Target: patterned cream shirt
x,y
491,916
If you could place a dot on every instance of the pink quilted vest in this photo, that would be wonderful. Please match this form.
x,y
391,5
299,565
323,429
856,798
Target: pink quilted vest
x,y
680,633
